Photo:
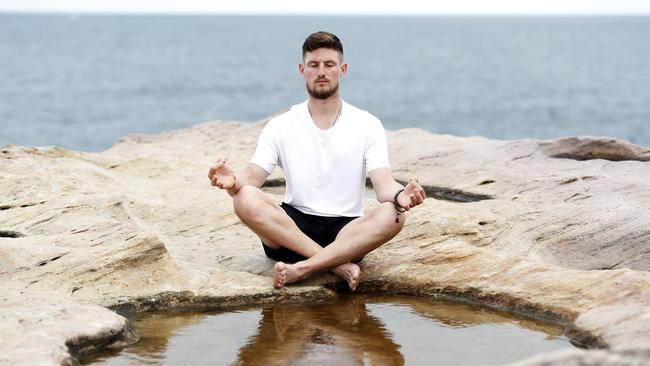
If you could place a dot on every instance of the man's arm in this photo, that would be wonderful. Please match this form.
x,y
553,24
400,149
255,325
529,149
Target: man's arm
x,y
223,177
253,175
386,187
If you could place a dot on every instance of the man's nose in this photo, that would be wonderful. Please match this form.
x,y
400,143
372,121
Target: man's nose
x,y
321,70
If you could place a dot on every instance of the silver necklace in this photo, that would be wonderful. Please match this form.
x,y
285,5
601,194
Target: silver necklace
x,y
338,114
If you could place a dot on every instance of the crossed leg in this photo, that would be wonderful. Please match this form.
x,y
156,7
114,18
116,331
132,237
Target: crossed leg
x,y
356,239
276,229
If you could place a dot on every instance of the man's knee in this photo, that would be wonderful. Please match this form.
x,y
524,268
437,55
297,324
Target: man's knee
x,y
391,222
248,202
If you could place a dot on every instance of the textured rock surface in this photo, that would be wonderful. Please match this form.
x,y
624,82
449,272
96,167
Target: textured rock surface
x,y
543,227
588,358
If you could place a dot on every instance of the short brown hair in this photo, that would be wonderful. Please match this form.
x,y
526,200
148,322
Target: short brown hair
x,y
322,39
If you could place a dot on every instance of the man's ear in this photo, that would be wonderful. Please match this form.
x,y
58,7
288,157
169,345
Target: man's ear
x,y
301,69
344,69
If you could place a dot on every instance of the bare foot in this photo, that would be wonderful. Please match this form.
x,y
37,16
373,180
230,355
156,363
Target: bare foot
x,y
280,275
350,272
285,274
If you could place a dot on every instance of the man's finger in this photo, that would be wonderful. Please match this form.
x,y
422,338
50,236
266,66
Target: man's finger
x,y
415,184
417,197
422,195
411,185
220,162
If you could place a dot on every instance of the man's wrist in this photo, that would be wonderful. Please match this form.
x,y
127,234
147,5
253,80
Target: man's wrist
x,y
235,187
398,207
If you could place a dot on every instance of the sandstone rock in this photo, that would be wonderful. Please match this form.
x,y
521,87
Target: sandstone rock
x,y
44,333
590,358
541,227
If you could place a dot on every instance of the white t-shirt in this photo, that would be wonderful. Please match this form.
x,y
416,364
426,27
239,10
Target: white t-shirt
x,y
325,170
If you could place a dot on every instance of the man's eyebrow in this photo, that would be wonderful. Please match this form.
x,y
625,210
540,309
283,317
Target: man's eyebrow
x,y
331,61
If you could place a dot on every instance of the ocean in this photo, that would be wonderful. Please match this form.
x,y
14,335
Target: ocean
x,y
83,81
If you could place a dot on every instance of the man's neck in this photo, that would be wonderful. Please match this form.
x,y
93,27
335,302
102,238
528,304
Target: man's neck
x,y
324,111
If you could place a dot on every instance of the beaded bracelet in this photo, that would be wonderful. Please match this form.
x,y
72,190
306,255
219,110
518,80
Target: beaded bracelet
x,y
398,208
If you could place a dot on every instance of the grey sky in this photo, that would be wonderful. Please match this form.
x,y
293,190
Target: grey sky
x,y
640,7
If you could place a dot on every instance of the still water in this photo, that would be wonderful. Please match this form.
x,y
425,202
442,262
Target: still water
x,y
354,330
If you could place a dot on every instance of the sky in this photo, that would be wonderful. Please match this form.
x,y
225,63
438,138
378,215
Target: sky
x,y
469,7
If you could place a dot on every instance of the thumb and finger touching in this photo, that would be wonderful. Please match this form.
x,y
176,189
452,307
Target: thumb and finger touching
x,y
415,192
218,171
222,168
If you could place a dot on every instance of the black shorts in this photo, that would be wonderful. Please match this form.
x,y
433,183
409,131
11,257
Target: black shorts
x,y
321,229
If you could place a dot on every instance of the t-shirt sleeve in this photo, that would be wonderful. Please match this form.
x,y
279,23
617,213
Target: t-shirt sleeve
x,y
266,154
377,148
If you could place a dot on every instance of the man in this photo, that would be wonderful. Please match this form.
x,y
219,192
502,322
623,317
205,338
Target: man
x,y
325,148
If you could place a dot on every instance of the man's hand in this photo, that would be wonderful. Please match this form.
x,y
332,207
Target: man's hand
x,y
412,195
221,175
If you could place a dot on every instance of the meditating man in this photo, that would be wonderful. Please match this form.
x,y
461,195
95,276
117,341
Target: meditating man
x,y
325,148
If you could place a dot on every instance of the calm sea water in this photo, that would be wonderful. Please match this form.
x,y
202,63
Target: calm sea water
x,y
84,81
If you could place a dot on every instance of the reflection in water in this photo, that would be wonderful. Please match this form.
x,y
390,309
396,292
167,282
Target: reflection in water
x,y
343,332
355,330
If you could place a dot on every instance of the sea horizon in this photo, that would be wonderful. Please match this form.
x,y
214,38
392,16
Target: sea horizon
x,y
95,77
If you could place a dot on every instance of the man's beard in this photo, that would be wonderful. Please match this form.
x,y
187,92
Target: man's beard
x,y
322,93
